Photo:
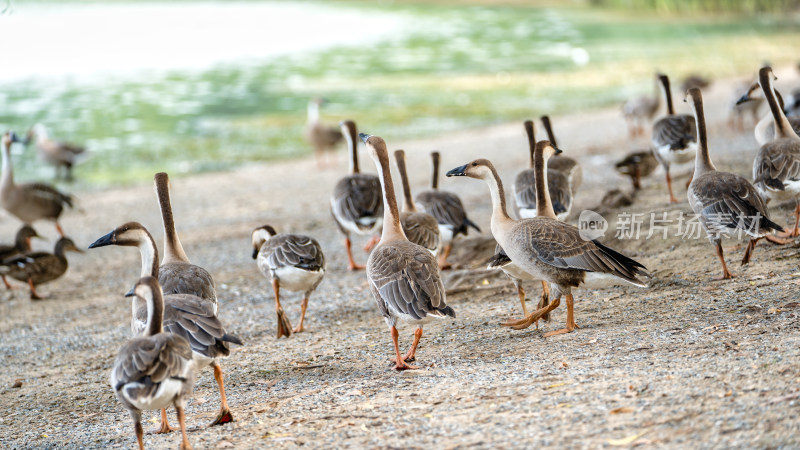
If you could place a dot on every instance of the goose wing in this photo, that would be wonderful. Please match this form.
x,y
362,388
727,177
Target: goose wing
x,y
725,200
193,318
186,278
156,357
525,189
776,163
675,131
421,229
294,250
358,199
447,209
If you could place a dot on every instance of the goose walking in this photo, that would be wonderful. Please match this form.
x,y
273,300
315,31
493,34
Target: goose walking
x,y
29,202
322,137
61,155
764,130
544,247
22,245
403,277
156,369
356,202
724,201
419,227
525,186
291,261
37,268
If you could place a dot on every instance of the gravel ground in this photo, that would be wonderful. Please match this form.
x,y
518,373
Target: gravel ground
x,y
687,362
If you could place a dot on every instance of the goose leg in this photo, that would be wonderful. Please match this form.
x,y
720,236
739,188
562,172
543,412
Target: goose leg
x,y
224,415
164,427
544,301
60,231
400,364
532,317
521,294
303,307
571,325
691,177
795,231
637,178
412,352
182,420
371,243
672,198
137,426
34,294
284,327
443,264
8,286
351,262
748,252
726,274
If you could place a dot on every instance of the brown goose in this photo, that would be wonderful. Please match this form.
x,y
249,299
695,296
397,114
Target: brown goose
x,y
448,210
560,163
765,128
674,137
776,168
187,315
724,201
22,245
322,137
177,275
544,247
62,155
403,277
39,267
156,369
637,165
747,99
30,201
356,202
524,187
640,110
291,261
420,228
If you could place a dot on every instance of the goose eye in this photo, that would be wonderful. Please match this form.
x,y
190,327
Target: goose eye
x,y
474,164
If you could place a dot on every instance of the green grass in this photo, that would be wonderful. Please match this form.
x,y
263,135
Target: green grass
x,y
460,67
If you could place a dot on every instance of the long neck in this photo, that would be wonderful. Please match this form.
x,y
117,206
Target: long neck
x,y
550,136
531,138
702,160
435,176
8,168
149,252
173,250
391,216
544,208
782,126
352,144
499,213
313,112
408,200
667,95
155,313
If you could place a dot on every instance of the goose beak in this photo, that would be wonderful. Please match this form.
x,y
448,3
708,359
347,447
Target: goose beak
x,y
109,239
13,136
131,293
558,150
364,137
255,253
460,171
744,98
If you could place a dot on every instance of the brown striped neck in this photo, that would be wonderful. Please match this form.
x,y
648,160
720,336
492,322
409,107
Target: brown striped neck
x,y
149,289
549,129
667,94
544,207
350,135
173,250
408,200
528,124
392,230
702,159
435,178
783,128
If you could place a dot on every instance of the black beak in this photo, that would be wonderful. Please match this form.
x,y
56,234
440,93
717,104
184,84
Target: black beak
x,y
13,136
460,171
745,98
109,239
364,136
558,150
130,293
255,253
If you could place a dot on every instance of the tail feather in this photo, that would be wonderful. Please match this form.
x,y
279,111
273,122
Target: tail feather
x,y
232,338
470,223
626,268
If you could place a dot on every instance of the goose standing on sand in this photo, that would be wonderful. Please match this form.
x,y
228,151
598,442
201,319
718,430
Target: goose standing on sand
x,y
154,370
724,201
448,211
356,202
525,186
291,261
640,110
62,155
22,245
544,247
186,315
322,137
403,277
419,227
764,130
39,267
560,163
674,137
776,168
30,201
637,165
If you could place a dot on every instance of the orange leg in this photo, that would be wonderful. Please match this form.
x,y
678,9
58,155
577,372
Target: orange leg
x,y
532,317
521,293
726,274
795,231
351,262
672,198
34,294
60,231
8,286
182,420
544,301
164,427
443,264
637,178
284,327
748,252
400,364
372,243
139,434
224,415
571,325
412,352
303,307
691,177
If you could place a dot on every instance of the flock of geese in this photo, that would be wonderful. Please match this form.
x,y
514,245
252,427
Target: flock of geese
x,y
174,306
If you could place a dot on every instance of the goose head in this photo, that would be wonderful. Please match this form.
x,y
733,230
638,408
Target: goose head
x,y
375,145
9,137
750,95
67,245
130,234
483,169
259,236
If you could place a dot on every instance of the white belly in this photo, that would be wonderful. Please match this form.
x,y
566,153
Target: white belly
x,y
294,279
515,271
446,233
791,191
163,397
678,156
353,226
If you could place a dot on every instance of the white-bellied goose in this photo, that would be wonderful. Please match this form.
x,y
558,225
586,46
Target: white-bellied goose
x,y
560,163
674,137
156,369
30,201
403,277
291,261
448,211
637,165
420,228
177,275
544,247
37,268
322,137
525,186
22,245
187,315
517,276
62,155
724,201
776,168
356,201
764,130
639,111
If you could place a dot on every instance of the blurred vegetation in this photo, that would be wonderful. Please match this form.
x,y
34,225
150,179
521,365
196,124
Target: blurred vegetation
x,y
724,6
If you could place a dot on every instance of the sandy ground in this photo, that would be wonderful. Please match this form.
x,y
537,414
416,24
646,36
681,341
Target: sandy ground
x,y
687,362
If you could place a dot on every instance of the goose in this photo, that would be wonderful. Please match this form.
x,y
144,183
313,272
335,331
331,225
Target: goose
x,y
764,130
448,210
177,275
544,247
187,315
674,137
29,202
56,153
747,99
637,165
403,277
524,187
39,267
291,261
22,245
560,163
776,168
724,201
322,137
156,369
356,202
517,276
641,110
419,227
